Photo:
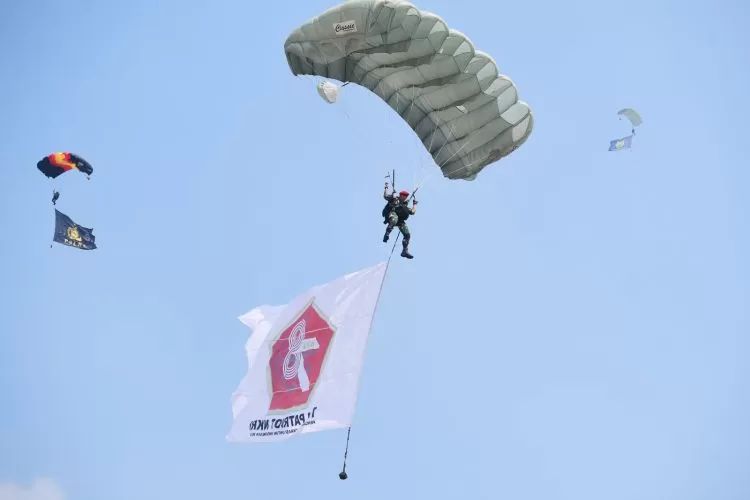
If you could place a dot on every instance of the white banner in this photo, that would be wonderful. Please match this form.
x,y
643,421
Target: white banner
x,y
305,359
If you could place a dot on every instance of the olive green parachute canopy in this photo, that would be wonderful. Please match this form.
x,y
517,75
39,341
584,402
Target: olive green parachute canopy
x,y
632,115
466,114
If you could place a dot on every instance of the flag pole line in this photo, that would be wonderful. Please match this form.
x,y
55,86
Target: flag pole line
x,y
343,475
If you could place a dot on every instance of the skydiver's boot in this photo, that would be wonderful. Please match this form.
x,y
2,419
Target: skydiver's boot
x,y
405,252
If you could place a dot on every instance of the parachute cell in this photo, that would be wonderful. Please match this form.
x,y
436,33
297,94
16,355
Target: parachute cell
x,y
57,164
328,91
452,96
632,115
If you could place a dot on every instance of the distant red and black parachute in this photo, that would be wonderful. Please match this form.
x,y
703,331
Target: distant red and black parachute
x,y
57,164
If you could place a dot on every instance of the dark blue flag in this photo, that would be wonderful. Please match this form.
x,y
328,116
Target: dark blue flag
x,y
70,234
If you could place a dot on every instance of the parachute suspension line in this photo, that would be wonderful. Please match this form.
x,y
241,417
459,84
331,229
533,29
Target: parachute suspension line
x,y
386,114
362,135
453,155
441,165
430,174
343,475
451,135
390,140
420,146
404,117
366,135
418,179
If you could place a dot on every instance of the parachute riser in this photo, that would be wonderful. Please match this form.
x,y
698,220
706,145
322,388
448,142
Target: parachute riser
x,y
392,178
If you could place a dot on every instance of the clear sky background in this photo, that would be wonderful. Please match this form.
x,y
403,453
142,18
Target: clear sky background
x,y
574,325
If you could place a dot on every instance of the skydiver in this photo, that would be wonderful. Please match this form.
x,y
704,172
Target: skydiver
x,y
55,196
396,212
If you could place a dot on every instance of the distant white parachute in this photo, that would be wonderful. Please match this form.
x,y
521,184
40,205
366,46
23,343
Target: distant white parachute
x,y
464,111
632,115
328,91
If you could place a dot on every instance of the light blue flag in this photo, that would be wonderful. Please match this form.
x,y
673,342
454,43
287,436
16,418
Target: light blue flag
x,y
619,144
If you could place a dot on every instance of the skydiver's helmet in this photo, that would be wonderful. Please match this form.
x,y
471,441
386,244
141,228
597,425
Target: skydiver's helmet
x,y
403,195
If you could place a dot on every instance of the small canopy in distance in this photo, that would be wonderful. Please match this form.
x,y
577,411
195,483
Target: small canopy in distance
x,y
632,115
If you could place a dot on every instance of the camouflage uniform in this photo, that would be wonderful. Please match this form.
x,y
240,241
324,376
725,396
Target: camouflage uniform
x,y
395,213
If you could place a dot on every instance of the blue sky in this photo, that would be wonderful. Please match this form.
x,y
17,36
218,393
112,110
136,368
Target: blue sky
x,y
574,325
